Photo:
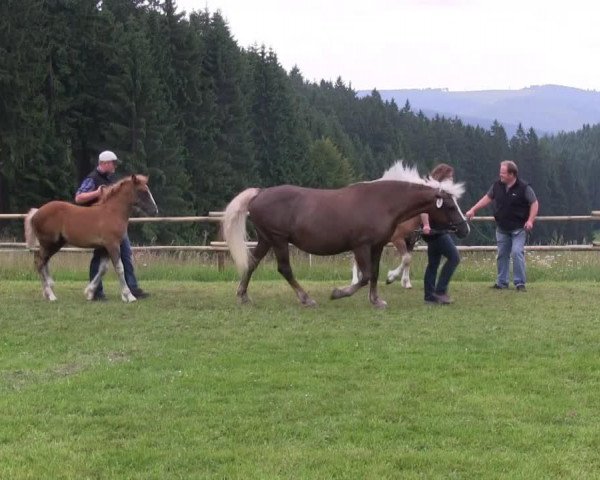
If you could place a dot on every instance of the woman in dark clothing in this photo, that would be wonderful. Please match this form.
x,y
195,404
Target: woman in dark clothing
x,y
439,244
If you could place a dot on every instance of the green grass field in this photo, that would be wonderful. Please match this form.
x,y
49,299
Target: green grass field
x,y
188,384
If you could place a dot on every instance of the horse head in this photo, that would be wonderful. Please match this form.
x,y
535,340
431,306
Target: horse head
x,y
447,212
144,200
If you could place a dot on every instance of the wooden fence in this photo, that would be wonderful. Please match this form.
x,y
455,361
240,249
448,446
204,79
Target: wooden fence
x,y
219,246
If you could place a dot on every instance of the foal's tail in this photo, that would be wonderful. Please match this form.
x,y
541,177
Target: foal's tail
x,y
234,227
30,237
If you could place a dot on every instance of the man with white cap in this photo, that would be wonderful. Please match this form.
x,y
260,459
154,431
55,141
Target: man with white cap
x,y
89,192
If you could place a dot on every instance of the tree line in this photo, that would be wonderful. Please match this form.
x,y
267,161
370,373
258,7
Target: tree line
x,y
177,98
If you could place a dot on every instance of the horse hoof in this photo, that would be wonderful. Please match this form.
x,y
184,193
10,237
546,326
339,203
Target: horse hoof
x,y
89,293
381,304
244,300
309,302
50,296
337,293
389,280
128,298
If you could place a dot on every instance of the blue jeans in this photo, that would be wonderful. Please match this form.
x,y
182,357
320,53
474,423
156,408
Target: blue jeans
x,y
436,248
126,258
511,243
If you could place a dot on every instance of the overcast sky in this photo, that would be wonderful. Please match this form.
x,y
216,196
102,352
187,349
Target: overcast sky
x,y
454,44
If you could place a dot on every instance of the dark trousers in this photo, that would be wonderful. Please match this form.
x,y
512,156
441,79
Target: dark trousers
x,y
438,247
126,258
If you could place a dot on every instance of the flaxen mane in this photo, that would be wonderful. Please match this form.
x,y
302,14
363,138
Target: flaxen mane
x,y
404,173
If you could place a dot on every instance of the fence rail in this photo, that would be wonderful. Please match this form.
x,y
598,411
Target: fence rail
x,y
220,246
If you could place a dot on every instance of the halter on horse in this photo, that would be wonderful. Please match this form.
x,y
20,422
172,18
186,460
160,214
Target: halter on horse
x,y
102,225
358,218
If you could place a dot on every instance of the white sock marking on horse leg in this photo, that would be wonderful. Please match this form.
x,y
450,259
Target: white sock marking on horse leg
x,y
355,273
126,294
90,290
393,274
405,266
47,284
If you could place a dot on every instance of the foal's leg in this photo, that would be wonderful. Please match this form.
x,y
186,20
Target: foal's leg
x,y
256,255
282,253
356,273
114,251
375,259
90,290
405,280
41,258
393,275
362,259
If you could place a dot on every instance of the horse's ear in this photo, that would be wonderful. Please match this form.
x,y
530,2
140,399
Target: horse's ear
x,y
134,179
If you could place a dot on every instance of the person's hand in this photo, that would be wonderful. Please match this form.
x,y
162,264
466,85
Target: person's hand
x,y
528,225
100,191
470,214
426,229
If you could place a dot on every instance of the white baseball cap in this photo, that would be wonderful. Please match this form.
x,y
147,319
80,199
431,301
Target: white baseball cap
x,y
107,156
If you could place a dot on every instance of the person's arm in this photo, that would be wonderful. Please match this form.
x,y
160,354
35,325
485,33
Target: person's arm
x,y
85,197
533,211
88,192
425,222
482,203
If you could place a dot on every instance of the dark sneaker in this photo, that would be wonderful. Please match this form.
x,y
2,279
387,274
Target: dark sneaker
x,y
495,286
443,298
521,288
139,293
99,298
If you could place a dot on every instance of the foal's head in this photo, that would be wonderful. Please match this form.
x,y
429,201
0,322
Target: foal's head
x,y
133,189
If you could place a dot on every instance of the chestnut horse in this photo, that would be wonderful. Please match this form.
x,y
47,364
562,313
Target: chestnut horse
x,y
102,225
359,218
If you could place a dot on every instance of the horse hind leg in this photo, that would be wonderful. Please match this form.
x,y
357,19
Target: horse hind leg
x,y
41,258
90,290
257,254
393,275
405,266
356,273
282,253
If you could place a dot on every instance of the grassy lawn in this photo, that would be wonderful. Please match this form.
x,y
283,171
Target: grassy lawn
x,y
188,384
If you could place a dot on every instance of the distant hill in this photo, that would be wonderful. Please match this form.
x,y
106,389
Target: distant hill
x,y
547,108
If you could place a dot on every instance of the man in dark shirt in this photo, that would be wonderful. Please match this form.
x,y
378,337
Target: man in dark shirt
x,y
515,208
89,192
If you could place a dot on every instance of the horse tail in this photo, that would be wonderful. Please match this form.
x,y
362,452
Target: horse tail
x,y
234,228
30,237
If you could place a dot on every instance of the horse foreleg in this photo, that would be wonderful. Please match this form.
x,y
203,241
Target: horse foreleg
x,y
90,290
361,260
282,253
256,255
115,256
373,295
